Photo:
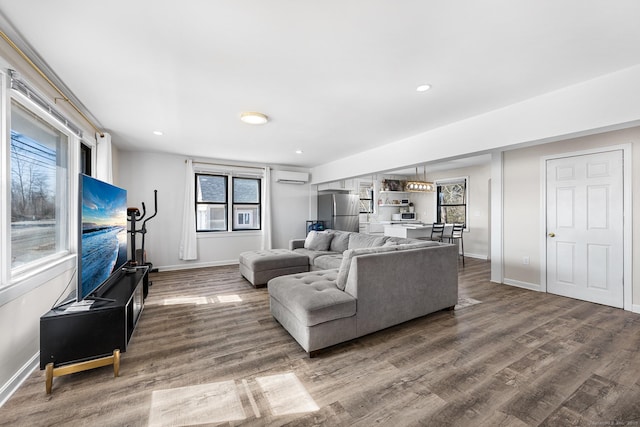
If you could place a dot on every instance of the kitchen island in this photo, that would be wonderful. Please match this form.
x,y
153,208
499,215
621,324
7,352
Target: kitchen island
x,y
413,230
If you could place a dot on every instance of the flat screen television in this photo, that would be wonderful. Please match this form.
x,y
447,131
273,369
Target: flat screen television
x,y
102,245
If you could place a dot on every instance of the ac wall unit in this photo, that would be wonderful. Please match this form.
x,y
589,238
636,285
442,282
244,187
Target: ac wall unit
x,y
289,177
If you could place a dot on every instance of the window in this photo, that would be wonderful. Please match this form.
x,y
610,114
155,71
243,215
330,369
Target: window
x,y
365,191
452,201
85,159
39,188
212,203
246,204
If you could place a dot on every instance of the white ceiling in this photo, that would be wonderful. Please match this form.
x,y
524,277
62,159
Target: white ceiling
x,y
335,77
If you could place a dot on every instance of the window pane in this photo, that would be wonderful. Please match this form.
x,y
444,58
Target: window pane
x,y
39,188
246,190
246,217
452,214
452,194
85,159
211,188
211,218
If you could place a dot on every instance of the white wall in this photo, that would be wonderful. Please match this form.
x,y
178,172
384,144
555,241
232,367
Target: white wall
x,y
20,323
522,204
141,173
603,103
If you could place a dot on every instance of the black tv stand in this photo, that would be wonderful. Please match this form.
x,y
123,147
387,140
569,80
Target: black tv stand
x,y
83,338
100,299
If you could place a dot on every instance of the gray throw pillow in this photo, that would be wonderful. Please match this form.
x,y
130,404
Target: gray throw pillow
x,y
316,241
340,242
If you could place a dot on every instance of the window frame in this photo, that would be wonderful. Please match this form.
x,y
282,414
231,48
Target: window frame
x,y
225,203
21,279
258,204
457,180
229,173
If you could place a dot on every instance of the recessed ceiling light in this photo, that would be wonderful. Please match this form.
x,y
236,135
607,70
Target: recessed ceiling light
x,y
299,151
157,132
253,118
423,88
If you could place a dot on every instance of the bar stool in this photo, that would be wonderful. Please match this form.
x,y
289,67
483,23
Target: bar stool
x,y
456,235
437,232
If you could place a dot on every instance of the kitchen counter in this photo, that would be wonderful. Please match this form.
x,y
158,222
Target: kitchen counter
x,y
412,230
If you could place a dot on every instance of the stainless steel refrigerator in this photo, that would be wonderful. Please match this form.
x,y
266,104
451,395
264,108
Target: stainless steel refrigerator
x,y
339,211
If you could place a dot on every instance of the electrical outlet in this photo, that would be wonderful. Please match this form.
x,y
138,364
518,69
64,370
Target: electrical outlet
x,y
525,260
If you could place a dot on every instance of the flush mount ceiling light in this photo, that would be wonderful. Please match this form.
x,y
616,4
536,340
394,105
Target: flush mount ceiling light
x,y
158,132
423,88
299,151
253,118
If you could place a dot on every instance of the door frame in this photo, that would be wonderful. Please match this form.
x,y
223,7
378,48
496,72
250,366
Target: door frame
x,y
627,239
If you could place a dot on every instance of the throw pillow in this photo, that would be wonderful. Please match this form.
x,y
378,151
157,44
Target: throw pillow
x,y
340,242
343,272
318,241
347,257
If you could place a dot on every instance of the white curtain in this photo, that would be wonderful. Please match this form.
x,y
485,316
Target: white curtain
x,y
188,242
104,168
266,209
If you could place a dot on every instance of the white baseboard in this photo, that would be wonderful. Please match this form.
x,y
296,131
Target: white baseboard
x,y
635,308
519,284
197,265
18,378
477,256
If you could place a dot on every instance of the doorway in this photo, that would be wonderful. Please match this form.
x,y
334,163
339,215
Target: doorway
x,y
584,242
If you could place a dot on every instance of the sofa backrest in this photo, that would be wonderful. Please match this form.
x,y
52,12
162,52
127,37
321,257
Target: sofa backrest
x,y
349,254
400,285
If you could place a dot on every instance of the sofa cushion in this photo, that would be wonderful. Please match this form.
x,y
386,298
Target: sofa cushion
x,y
340,242
311,255
359,240
318,241
327,262
312,298
270,259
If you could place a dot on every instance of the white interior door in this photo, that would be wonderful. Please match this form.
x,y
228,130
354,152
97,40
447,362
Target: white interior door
x,y
585,205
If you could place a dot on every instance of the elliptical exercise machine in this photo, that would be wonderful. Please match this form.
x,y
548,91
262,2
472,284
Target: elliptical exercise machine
x,y
139,257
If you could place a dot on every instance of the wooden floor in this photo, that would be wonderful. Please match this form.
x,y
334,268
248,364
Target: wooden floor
x,y
207,344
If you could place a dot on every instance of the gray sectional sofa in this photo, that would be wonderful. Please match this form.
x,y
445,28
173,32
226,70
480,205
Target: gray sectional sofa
x,y
359,284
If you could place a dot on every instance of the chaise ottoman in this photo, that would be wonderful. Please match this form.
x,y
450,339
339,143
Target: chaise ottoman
x,y
258,267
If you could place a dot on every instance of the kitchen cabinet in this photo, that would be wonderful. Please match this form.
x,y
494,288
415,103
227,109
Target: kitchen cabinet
x,y
344,185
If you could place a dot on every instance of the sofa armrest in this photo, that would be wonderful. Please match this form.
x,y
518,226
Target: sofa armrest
x,y
296,243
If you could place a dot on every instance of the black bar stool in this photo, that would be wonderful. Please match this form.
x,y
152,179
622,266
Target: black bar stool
x,y
456,236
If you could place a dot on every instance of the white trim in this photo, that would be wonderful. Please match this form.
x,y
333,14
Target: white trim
x,y
635,308
476,256
38,277
5,178
10,387
225,234
496,223
627,159
524,285
177,267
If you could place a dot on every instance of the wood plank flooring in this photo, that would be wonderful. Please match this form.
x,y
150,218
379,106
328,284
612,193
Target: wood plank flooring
x,y
518,358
